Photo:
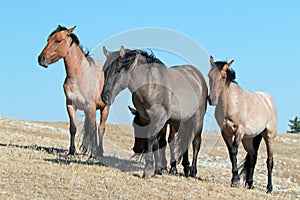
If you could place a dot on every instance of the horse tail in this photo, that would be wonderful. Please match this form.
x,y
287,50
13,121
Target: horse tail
x,y
87,138
246,163
183,139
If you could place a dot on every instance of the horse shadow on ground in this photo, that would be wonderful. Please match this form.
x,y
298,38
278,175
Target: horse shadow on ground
x,y
107,161
49,150
62,157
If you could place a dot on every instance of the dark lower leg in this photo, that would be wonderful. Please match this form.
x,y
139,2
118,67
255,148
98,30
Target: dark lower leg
x,y
186,163
157,156
250,171
173,169
233,157
152,143
196,148
163,158
72,138
270,164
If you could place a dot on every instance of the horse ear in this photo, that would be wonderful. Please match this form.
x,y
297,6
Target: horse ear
x,y
212,59
122,52
230,63
106,52
70,30
132,110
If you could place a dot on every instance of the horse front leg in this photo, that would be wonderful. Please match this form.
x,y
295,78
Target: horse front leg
x,y
233,151
186,163
251,146
154,127
101,129
72,127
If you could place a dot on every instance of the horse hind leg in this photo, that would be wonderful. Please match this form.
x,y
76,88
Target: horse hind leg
x,y
173,169
162,147
269,138
101,130
90,132
196,148
251,147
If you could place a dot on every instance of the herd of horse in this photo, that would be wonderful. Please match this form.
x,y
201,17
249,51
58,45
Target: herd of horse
x,y
163,96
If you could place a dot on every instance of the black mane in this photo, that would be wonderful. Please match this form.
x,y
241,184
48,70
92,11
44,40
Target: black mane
x,y
74,40
129,58
150,57
230,72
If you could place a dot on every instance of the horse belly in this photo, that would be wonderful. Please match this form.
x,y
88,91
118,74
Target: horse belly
x,y
187,99
257,118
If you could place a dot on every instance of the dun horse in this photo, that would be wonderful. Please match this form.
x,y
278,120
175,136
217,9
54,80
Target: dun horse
x,y
245,117
83,87
141,146
162,95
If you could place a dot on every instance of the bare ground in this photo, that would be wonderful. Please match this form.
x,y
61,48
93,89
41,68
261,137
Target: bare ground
x,y
34,165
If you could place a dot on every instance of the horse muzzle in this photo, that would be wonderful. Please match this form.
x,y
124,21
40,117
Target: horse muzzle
x,y
106,98
43,61
212,100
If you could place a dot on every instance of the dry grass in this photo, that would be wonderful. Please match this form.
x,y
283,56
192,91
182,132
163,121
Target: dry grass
x,y
34,166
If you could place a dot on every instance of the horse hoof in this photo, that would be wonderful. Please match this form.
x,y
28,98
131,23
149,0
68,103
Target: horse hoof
x,y
193,172
193,175
70,156
250,187
147,176
158,172
100,153
164,170
148,172
91,160
173,171
186,171
269,190
235,184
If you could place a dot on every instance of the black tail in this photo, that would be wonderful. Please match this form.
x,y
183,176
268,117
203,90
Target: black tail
x,y
245,165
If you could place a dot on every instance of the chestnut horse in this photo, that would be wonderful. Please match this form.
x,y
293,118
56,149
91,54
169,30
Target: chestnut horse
x,y
245,117
83,87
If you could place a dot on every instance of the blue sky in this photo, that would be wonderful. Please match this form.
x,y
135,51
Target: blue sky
x,y
262,36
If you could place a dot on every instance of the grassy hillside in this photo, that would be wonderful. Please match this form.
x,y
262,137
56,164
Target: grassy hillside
x,y
34,165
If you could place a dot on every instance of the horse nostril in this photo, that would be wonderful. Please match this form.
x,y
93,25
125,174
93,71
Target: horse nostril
x,y
41,59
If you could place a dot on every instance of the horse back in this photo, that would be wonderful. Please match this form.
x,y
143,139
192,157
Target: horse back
x,y
193,75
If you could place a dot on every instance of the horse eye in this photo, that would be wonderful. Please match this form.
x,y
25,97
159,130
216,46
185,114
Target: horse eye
x,y
57,41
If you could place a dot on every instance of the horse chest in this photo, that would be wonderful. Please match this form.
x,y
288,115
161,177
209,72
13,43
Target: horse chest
x,y
78,98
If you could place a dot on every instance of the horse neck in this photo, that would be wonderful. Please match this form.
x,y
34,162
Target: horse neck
x,y
139,75
229,96
73,61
